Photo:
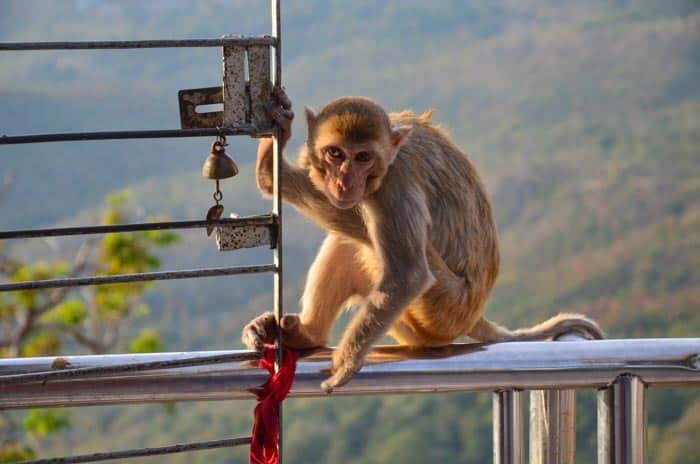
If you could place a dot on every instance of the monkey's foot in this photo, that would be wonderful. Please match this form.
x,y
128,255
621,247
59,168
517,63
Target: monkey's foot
x,y
263,330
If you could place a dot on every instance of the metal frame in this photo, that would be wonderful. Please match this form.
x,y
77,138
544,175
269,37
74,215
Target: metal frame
x,y
273,221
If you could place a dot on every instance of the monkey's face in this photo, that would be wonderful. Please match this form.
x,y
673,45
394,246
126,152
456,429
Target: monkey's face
x,y
346,167
351,145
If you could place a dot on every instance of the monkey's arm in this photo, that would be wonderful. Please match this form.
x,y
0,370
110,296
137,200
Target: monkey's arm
x,y
398,230
298,190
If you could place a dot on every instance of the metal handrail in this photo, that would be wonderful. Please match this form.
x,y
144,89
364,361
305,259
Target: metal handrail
x,y
391,369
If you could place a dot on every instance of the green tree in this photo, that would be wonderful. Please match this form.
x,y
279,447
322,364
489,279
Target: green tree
x,y
42,322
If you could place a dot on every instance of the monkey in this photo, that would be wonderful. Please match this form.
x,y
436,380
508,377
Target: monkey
x,y
411,238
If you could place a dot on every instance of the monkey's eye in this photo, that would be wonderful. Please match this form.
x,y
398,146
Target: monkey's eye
x,y
363,156
333,152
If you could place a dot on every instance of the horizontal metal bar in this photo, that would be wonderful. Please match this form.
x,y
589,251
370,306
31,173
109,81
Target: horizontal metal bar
x,y
260,220
63,370
138,277
125,44
455,368
141,452
244,129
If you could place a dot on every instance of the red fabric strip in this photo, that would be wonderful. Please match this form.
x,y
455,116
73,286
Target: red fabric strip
x,y
266,425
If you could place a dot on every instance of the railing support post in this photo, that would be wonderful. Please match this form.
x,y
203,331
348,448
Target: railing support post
x,y
552,426
553,421
622,427
507,427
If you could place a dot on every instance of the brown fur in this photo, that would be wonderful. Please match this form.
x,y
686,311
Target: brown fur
x,y
419,253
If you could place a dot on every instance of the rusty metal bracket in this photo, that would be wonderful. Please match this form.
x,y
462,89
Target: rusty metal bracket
x,y
235,238
244,100
190,99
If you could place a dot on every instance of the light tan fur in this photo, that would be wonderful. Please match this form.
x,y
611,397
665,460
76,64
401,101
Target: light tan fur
x,y
419,252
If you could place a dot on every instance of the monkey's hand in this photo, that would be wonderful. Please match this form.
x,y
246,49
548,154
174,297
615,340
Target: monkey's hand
x,y
263,330
345,365
280,110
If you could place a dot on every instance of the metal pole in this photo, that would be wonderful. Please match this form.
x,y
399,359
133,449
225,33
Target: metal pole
x,y
622,422
261,220
242,129
507,427
277,197
552,426
137,277
605,426
126,44
143,452
553,422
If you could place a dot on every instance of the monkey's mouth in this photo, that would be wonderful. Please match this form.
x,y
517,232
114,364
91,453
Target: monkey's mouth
x,y
342,203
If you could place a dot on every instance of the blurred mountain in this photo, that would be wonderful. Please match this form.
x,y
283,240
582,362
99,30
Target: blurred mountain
x,y
584,118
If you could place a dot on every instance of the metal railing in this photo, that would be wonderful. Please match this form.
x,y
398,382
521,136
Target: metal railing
x,y
621,370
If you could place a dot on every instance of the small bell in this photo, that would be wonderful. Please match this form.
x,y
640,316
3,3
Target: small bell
x,y
218,164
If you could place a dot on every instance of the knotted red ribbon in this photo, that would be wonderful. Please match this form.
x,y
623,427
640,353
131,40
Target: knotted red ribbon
x,y
266,425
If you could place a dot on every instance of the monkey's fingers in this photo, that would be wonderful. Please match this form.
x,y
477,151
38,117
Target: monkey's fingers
x,y
280,95
281,115
260,331
340,377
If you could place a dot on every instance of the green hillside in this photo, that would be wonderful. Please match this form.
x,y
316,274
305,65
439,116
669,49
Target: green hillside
x,y
584,118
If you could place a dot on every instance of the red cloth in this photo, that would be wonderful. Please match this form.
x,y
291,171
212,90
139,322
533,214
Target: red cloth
x,y
266,426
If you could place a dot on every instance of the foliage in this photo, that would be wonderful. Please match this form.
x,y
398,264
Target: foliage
x,y
147,341
43,322
13,452
42,422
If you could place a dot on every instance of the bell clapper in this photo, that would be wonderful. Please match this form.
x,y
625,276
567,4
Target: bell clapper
x,y
217,166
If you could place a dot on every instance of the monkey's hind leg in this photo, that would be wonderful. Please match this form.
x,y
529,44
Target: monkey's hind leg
x,y
334,277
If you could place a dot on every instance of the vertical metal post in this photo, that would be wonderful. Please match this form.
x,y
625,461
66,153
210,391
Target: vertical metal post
x,y
553,422
622,433
277,196
552,426
605,427
507,427
276,178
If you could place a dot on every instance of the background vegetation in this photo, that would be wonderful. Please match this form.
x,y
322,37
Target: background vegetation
x,y
584,117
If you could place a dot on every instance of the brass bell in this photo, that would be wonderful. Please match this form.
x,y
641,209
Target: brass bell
x,y
218,164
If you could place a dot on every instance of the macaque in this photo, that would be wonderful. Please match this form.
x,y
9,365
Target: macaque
x,y
411,238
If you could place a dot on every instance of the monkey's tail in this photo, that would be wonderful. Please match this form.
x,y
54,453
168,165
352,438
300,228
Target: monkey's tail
x,y
488,331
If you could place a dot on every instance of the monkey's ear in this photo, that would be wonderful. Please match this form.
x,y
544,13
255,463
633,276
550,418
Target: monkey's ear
x,y
310,117
399,134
